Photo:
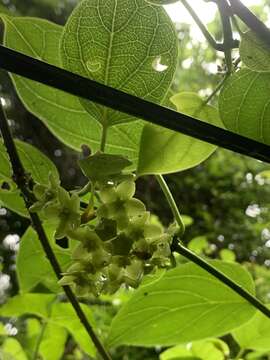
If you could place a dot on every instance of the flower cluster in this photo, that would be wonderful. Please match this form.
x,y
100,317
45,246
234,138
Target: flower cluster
x,y
118,244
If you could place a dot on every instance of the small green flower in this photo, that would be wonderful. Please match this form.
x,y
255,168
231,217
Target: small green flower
x,y
46,195
69,213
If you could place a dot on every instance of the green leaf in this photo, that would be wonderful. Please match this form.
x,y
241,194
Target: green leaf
x,y
254,53
210,349
227,255
165,151
255,334
183,305
60,112
129,45
56,314
12,350
32,264
198,244
13,201
100,166
37,304
244,104
64,315
34,162
53,342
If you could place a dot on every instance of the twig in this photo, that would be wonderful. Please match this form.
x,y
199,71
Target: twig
x,y
22,180
225,15
251,20
61,79
206,33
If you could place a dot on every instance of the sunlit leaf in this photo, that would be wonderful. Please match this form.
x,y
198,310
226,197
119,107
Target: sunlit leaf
x,y
166,151
185,304
129,45
254,53
60,112
255,334
244,104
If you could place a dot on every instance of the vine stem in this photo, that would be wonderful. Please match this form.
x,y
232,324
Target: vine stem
x,y
22,179
171,202
182,250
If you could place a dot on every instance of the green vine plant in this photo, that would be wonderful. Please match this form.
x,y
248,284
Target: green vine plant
x,y
114,242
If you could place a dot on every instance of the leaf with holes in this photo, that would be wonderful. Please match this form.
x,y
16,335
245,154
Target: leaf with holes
x,y
255,334
165,151
60,112
129,45
254,53
35,163
33,267
244,104
183,305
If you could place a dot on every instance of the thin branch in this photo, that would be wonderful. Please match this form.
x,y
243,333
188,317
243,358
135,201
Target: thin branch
x,y
212,42
77,85
251,20
202,27
225,15
22,180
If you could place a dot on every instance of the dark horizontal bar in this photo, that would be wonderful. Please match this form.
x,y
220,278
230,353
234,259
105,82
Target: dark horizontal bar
x,y
44,73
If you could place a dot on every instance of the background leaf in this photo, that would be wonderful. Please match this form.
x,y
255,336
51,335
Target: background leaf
x,y
254,53
55,313
255,334
165,151
35,163
32,264
210,349
60,112
184,305
244,104
129,45
37,304
11,349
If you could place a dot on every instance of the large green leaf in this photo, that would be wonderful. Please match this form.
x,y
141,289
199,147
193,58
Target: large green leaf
x,y
165,151
33,266
254,53
255,334
244,104
128,44
34,162
184,305
60,112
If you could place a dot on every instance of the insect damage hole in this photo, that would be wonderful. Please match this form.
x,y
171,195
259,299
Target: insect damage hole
x,y
158,66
